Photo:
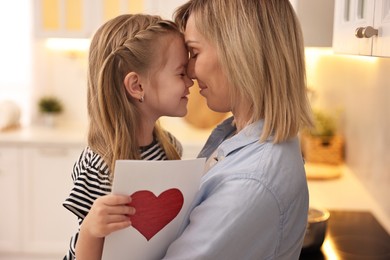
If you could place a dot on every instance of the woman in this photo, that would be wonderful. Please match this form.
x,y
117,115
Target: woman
x,y
248,59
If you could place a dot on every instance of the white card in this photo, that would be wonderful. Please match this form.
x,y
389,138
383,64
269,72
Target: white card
x,y
162,192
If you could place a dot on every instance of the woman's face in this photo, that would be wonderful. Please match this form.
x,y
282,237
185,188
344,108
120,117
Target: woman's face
x,y
204,66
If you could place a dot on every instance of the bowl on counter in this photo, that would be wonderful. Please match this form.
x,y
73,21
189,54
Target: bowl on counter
x,y
315,230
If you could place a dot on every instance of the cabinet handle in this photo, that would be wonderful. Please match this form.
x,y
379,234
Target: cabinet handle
x,y
359,32
366,32
369,32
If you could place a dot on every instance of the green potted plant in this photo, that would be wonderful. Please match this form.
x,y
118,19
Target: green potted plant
x,y
49,107
322,144
324,126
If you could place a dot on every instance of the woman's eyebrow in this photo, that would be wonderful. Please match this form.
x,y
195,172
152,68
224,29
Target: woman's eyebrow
x,y
187,42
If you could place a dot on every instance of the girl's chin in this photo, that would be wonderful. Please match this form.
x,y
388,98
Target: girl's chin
x,y
180,112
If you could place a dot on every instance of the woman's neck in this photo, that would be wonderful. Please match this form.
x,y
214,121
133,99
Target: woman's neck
x,y
241,117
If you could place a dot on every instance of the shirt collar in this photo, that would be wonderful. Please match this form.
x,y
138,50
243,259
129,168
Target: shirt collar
x,y
250,134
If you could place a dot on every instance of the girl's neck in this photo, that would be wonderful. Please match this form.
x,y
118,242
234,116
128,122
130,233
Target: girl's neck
x,y
145,136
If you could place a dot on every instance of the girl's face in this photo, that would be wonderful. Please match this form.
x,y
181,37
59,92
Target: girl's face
x,y
204,66
169,84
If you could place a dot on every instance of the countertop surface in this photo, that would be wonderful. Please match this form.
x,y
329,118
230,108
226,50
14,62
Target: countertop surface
x,y
345,192
64,134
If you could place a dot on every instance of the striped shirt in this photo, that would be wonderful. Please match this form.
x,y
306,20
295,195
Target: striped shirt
x,y
91,180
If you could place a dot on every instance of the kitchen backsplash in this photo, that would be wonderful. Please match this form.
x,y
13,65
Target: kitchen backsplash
x,y
358,88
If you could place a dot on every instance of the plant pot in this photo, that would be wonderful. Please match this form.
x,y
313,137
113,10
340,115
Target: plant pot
x,y
323,149
49,119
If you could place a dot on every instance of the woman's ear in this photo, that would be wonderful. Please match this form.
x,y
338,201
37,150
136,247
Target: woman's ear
x,y
133,86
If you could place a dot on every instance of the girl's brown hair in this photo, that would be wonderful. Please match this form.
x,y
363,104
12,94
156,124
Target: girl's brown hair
x,y
124,44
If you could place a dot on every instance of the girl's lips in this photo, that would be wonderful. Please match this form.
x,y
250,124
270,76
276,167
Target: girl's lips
x,y
202,86
185,95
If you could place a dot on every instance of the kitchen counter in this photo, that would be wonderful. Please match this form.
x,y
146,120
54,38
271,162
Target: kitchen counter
x,y
64,134
345,193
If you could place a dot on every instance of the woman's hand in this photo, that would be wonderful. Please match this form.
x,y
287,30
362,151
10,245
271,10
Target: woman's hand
x,y
108,213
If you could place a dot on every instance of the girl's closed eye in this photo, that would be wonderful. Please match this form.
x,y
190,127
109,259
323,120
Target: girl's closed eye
x,y
182,73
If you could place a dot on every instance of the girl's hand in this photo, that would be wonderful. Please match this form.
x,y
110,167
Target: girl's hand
x,y
108,213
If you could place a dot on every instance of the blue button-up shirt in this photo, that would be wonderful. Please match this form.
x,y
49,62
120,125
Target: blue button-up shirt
x,y
252,203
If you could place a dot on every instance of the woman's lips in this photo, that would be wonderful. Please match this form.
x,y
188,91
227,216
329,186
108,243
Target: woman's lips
x,y
202,88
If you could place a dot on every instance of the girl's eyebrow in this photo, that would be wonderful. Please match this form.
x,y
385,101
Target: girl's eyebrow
x,y
181,66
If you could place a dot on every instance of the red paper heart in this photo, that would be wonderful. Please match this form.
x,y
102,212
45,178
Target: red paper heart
x,y
154,213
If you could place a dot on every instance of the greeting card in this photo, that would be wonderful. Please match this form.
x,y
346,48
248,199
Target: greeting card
x,y
161,192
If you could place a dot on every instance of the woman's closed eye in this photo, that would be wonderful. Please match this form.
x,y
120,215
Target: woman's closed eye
x,y
193,55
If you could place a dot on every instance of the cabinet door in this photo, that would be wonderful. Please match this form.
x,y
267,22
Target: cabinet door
x,y
113,8
48,226
63,18
316,19
78,18
10,199
382,22
349,16
164,8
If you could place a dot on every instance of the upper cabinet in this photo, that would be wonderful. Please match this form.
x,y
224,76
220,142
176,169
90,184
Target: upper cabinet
x,y
316,19
362,27
164,8
78,18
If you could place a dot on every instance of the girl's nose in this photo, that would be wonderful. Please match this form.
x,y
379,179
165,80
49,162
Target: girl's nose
x,y
189,82
190,69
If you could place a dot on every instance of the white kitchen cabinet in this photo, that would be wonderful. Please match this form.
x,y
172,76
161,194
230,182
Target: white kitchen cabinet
x,y
316,19
47,181
78,18
381,44
10,198
35,179
62,18
164,8
362,27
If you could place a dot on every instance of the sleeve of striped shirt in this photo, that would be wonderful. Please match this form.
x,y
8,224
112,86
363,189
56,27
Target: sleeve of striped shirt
x,y
91,180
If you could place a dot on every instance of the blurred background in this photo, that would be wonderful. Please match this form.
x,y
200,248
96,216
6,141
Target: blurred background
x,y
44,54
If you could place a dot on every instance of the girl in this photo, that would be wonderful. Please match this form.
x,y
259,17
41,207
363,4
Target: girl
x,y
137,73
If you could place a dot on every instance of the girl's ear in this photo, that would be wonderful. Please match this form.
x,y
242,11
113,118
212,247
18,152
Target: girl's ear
x,y
133,86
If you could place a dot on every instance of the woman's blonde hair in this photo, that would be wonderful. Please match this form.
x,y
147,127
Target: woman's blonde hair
x,y
260,48
127,43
